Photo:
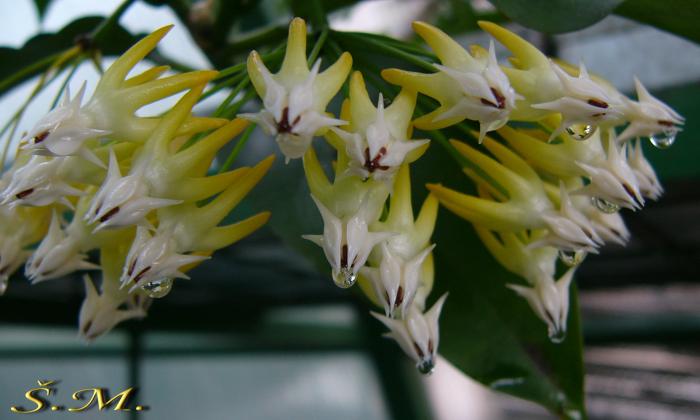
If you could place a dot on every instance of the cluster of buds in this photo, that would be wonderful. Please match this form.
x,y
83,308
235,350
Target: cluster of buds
x,y
131,186
553,188
386,251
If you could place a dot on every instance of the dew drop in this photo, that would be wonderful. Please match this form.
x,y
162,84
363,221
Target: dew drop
x,y
604,205
581,132
3,286
426,366
572,258
556,335
158,288
663,140
344,278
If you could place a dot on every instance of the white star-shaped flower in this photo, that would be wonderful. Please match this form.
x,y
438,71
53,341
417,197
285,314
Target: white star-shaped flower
x,y
64,130
295,98
377,152
346,243
569,229
487,95
38,183
418,334
57,255
12,256
613,179
649,185
583,101
649,116
550,301
122,200
397,279
290,114
100,312
154,258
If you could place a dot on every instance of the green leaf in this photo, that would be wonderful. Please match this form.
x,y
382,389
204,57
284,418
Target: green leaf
x,y
20,64
556,16
677,16
41,7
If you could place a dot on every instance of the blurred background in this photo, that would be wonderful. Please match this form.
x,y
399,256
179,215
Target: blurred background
x,y
259,334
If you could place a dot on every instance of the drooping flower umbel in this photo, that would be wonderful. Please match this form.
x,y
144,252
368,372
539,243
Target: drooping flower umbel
x,y
390,255
155,179
295,98
467,86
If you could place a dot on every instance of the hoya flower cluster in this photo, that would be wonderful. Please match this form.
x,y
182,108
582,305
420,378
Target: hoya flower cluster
x,y
388,254
548,192
92,175
551,190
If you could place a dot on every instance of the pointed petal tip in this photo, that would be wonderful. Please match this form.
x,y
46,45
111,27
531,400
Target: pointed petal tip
x,y
264,165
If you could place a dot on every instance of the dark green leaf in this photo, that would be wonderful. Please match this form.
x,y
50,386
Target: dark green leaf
x,y
314,10
41,7
680,17
556,16
20,64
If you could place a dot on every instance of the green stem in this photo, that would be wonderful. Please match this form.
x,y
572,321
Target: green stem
x,y
223,85
360,43
410,48
76,63
318,15
317,47
158,58
337,52
231,112
274,55
237,148
237,90
103,28
254,40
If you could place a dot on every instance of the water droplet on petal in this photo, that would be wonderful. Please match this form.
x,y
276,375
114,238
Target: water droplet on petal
x,y
581,132
604,205
158,288
3,286
344,278
572,258
663,140
573,414
426,366
556,335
